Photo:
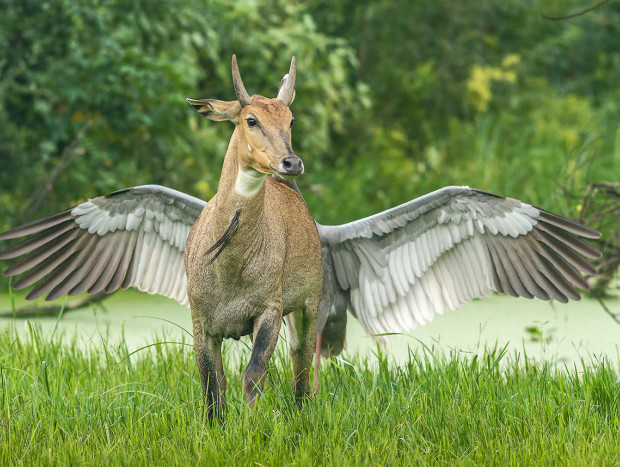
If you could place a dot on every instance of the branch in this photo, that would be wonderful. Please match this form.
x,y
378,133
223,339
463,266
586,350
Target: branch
x,y
54,310
67,155
587,10
614,316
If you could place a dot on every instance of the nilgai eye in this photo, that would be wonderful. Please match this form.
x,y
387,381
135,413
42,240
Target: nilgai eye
x,y
251,121
292,121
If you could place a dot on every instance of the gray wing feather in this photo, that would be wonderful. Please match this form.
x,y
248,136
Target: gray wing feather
x,y
402,267
131,238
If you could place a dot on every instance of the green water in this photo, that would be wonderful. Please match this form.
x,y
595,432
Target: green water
x,y
569,332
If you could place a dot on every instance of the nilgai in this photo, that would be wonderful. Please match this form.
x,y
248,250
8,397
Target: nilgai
x,y
393,271
254,254
252,257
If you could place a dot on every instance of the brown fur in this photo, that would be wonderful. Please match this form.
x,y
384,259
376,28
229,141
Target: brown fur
x,y
271,266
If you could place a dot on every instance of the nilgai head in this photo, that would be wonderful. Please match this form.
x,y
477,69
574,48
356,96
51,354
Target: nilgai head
x,y
263,125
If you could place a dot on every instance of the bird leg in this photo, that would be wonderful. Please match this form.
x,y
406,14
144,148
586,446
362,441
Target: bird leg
x,y
317,360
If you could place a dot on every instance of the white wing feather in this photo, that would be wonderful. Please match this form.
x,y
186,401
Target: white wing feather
x,y
131,238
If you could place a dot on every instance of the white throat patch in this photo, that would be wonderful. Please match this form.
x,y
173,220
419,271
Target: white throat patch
x,y
249,182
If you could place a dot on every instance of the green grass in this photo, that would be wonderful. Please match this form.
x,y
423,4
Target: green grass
x,y
60,404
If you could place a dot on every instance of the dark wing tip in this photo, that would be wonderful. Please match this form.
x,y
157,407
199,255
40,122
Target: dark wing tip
x,y
571,226
36,226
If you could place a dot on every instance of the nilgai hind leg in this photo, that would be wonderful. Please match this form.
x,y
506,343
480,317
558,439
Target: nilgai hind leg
x,y
301,325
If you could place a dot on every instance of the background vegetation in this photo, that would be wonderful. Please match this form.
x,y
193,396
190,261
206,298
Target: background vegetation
x,y
394,98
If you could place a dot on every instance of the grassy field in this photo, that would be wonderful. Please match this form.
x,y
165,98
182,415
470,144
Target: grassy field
x,y
60,404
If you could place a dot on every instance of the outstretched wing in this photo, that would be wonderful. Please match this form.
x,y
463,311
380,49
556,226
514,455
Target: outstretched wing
x,y
403,266
131,238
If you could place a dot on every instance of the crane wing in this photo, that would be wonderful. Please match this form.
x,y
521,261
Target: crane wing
x,y
131,238
407,264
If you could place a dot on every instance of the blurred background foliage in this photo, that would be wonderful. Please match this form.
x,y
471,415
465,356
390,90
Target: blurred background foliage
x,y
394,98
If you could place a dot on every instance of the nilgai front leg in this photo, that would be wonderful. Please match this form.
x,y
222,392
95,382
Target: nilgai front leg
x,y
266,330
208,352
302,338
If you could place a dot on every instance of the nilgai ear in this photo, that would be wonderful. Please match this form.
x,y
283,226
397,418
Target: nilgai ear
x,y
216,110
